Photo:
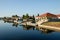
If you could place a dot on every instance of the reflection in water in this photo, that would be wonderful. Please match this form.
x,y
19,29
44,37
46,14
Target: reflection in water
x,y
48,31
34,28
8,22
31,28
43,30
15,24
28,27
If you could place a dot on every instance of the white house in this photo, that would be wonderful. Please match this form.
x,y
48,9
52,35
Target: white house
x,y
45,18
58,16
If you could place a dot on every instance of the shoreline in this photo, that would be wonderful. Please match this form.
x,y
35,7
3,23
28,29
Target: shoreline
x,y
50,27
54,28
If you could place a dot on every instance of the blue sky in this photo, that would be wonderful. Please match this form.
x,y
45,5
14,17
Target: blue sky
x,y
20,7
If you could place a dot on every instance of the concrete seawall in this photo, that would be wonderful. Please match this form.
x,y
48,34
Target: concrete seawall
x,y
50,27
30,24
43,26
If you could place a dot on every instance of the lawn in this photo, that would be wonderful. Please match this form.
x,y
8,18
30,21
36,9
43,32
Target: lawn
x,y
57,24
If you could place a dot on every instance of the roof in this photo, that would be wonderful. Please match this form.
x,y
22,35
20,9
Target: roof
x,y
58,15
47,15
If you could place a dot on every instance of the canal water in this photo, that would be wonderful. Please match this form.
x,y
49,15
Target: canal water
x,y
10,31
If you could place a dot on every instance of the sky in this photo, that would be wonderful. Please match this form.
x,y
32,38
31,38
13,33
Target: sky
x,y
32,7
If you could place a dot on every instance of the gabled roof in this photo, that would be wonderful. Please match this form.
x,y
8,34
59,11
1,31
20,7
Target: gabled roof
x,y
47,15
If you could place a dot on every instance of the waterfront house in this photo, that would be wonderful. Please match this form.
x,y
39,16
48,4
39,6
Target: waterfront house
x,y
11,19
28,19
15,18
45,18
58,16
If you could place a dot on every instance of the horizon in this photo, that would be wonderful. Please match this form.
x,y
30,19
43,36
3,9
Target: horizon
x,y
32,7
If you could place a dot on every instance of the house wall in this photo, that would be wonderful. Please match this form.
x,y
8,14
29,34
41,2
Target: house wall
x,y
58,17
40,20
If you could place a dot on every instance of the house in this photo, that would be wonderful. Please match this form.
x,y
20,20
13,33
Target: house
x,y
45,18
14,18
58,16
11,19
28,19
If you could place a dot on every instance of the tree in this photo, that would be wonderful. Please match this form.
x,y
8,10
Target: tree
x,y
4,17
15,16
23,17
27,16
33,19
38,15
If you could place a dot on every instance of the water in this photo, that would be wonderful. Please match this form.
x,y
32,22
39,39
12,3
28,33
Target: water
x,y
9,31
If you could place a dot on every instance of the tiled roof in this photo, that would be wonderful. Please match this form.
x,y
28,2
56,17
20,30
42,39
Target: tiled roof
x,y
47,15
58,15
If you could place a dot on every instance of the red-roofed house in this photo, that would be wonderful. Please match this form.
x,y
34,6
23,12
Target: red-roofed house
x,y
58,16
45,17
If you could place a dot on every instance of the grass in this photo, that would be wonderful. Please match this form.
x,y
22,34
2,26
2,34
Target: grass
x,y
57,24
